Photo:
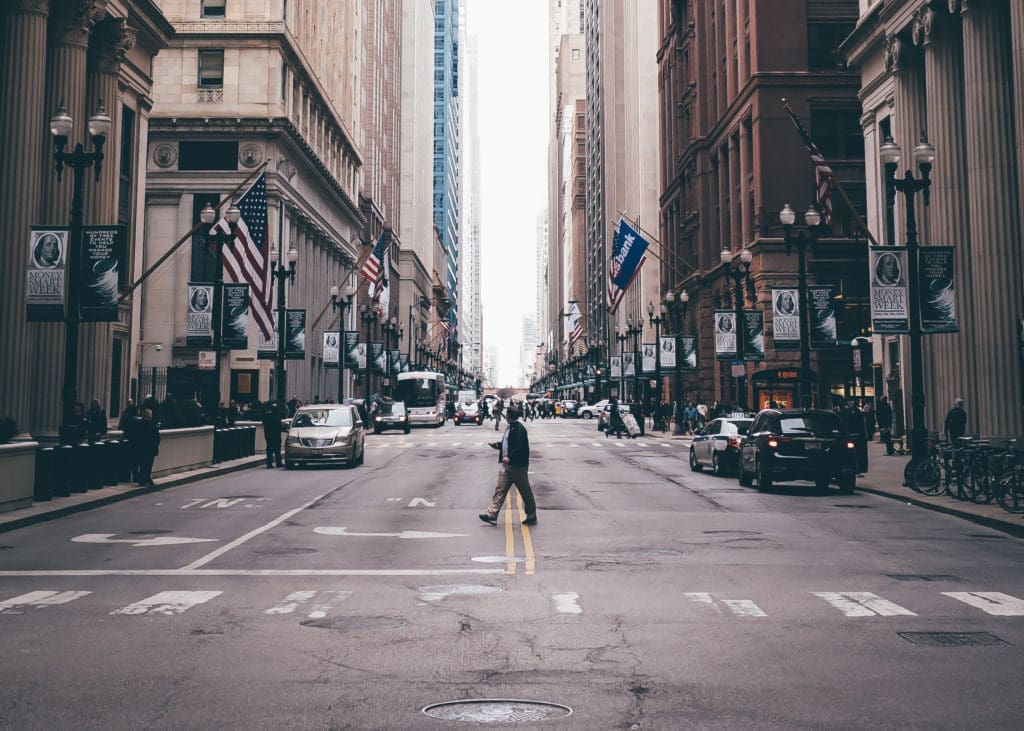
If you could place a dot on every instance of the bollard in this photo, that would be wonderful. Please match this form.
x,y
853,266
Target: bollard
x,y
79,468
61,470
94,465
43,487
218,444
250,446
111,460
125,461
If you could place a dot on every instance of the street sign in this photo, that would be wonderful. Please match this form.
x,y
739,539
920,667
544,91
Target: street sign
x,y
207,360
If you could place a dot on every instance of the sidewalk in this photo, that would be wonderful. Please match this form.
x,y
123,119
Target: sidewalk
x,y
77,502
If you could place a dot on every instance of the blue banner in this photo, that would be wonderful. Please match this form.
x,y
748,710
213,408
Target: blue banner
x,y
628,251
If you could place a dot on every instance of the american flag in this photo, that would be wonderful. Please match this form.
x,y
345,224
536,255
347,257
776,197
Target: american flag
x,y
248,258
373,267
616,293
823,175
575,327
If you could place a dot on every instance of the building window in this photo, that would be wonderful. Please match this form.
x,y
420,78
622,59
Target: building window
x,y
214,8
575,54
823,40
837,133
211,69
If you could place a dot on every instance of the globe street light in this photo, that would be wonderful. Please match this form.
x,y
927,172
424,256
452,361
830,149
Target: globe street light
x,y
677,308
282,274
656,324
802,239
339,302
219,239
738,267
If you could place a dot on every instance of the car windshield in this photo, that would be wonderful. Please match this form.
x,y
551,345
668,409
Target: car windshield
x,y
323,417
740,427
393,409
799,424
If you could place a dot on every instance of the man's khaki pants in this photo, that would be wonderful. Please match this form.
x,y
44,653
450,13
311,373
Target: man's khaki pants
x,y
507,477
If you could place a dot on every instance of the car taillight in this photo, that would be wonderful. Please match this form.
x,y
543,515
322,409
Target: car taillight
x,y
773,443
851,445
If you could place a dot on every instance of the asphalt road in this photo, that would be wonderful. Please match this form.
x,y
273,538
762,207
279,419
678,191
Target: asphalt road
x,y
647,597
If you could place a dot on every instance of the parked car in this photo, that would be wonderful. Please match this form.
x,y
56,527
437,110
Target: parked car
x,y
391,415
325,434
605,415
591,411
797,444
570,409
718,445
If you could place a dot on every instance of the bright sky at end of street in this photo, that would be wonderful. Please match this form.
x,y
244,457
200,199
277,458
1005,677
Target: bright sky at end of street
x,y
513,128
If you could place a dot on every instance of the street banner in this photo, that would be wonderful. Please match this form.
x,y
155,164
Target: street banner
x,y
889,301
688,352
378,355
47,262
199,318
937,289
103,265
615,366
351,341
668,351
332,340
753,335
725,334
786,318
295,334
395,362
266,348
404,363
234,329
821,309
649,358
629,363
360,356
627,258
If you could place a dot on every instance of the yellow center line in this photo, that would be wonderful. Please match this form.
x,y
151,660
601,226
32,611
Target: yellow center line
x,y
510,537
531,561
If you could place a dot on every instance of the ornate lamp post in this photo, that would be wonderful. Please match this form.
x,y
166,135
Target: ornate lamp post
x,y
802,239
634,330
622,338
656,324
391,329
282,274
219,239
677,309
339,304
739,269
369,316
61,127
909,186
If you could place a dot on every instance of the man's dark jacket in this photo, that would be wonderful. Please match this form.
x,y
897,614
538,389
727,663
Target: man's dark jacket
x,y
518,446
272,426
146,435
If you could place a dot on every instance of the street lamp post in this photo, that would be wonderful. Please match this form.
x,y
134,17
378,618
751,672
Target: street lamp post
x,y
909,186
391,329
61,127
282,274
219,239
634,330
677,308
739,269
339,304
369,316
622,338
656,324
802,239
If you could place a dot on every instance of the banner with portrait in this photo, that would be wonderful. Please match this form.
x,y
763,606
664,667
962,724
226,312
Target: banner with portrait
x,y
404,363
295,334
668,351
615,367
725,334
103,264
937,289
648,358
199,317
396,362
753,334
786,318
688,352
379,359
821,309
629,364
889,301
350,343
332,348
359,355
266,348
47,266
234,322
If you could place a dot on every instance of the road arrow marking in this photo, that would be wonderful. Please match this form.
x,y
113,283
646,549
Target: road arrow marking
x,y
421,501
139,542
329,531
567,603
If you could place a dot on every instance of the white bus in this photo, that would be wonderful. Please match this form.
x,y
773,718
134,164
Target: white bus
x,y
424,396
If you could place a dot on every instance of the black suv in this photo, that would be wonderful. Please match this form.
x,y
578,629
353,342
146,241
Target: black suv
x,y
798,444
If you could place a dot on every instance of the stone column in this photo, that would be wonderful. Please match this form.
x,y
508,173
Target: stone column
x,y
23,134
735,234
746,212
950,358
995,216
1017,33
65,81
728,30
742,72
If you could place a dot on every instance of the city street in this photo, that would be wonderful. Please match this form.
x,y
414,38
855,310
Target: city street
x,y
648,596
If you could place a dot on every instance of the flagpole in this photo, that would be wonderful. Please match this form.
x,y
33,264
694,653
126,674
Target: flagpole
x,y
651,238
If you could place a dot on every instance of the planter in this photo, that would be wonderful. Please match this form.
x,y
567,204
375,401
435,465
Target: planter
x,y
18,467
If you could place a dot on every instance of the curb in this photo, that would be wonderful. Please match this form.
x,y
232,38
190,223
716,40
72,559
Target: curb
x,y
183,478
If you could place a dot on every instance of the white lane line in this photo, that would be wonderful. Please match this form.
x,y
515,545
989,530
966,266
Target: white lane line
x,y
39,599
642,444
744,608
456,444
595,444
703,598
431,444
990,602
662,444
567,603
620,445
250,572
574,444
168,602
253,533
320,611
291,602
863,604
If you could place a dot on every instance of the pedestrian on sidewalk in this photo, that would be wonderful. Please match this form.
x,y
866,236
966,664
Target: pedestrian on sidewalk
x,y
147,446
497,413
272,430
96,418
956,421
883,415
514,461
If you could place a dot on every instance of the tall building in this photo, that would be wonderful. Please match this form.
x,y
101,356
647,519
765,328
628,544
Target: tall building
x,y
733,158
470,308
954,69
447,152
527,352
79,55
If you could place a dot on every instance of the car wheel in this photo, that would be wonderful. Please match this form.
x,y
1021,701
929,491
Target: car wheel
x,y
407,430
376,430
745,479
847,484
362,455
289,465
587,415
694,464
821,483
716,468
764,480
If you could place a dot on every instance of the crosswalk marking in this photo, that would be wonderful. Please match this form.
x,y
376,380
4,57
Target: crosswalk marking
x,y
620,445
455,444
739,607
595,444
863,604
168,602
291,602
567,603
642,444
39,599
990,602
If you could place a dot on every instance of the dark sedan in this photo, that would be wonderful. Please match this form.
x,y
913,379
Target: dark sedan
x,y
797,444
391,416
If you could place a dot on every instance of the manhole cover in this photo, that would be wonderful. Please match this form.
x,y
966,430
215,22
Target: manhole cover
x,y
348,624
434,593
285,551
497,710
953,639
922,577
498,559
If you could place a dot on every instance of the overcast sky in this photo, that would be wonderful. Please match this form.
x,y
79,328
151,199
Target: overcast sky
x,y
513,94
